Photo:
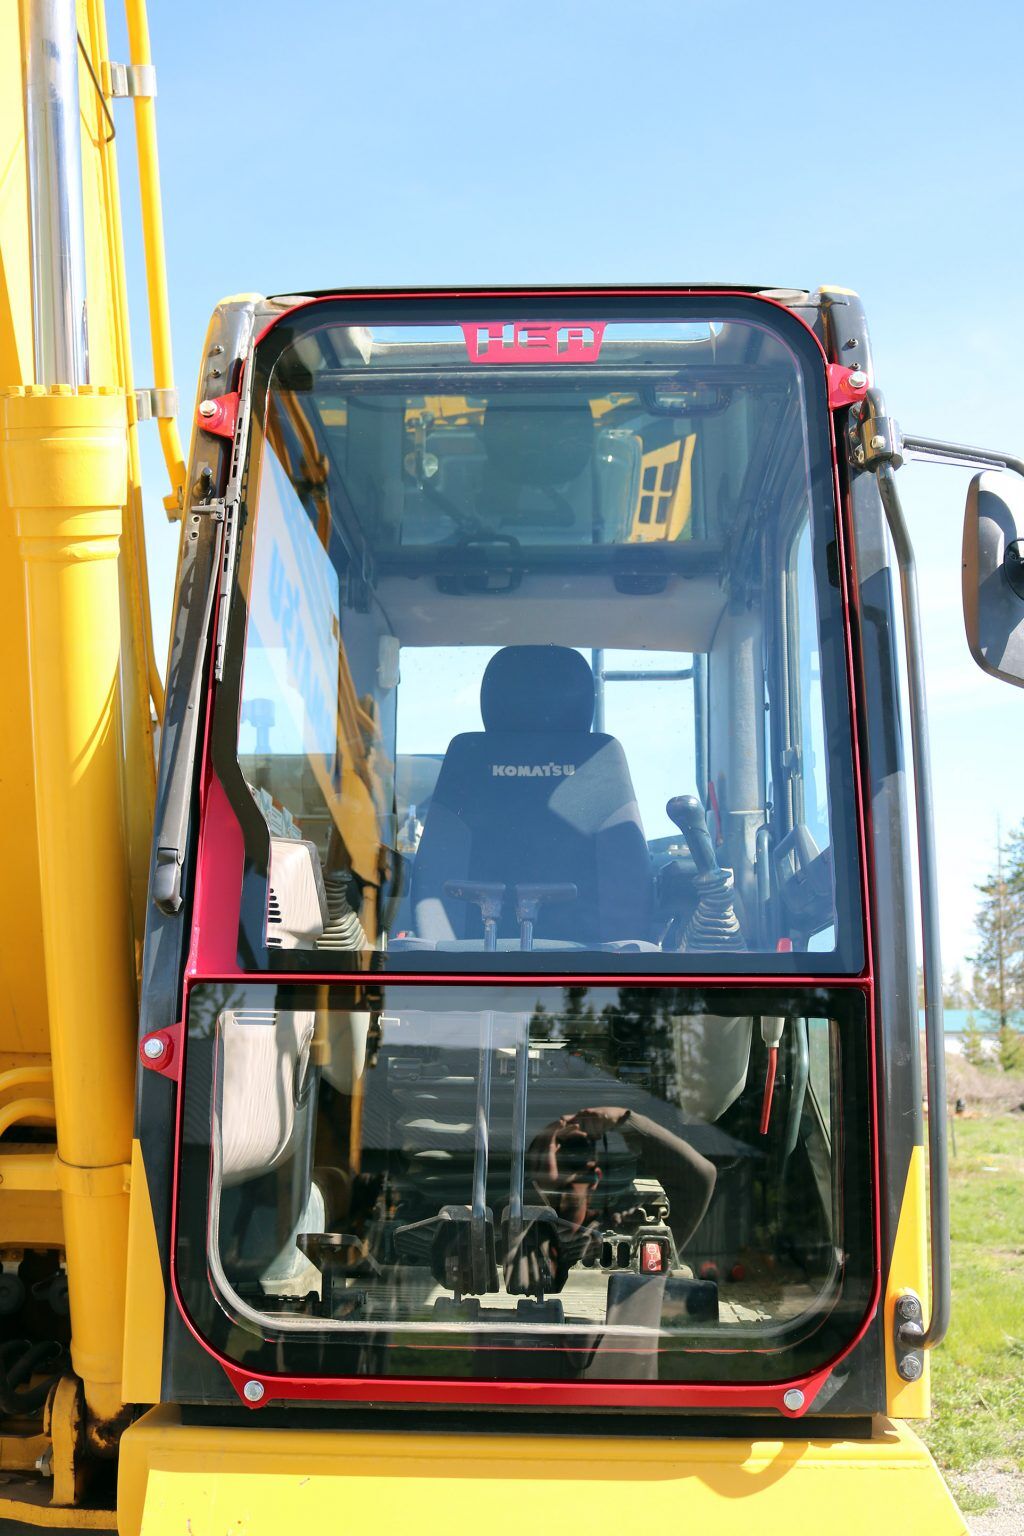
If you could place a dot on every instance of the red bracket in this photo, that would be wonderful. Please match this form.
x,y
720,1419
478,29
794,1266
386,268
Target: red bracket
x,y
846,386
792,1399
161,1051
219,415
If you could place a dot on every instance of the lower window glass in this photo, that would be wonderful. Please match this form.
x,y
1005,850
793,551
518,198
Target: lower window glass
x,y
526,1181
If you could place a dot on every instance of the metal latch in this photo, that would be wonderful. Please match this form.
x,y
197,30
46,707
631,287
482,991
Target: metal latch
x,y
156,404
137,80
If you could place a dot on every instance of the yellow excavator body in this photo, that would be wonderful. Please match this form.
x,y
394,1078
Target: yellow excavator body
x,y
81,700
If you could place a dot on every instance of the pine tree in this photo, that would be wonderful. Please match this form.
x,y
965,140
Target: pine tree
x,y
999,962
955,992
1010,1048
973,1046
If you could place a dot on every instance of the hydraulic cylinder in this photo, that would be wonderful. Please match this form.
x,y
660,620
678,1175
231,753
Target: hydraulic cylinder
x,y
64,466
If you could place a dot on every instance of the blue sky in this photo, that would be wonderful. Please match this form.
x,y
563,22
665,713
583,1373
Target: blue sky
x,y
328,144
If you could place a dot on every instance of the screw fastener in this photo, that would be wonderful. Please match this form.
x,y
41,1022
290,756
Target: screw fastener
x,y
253,1391
793,1399
207,407
908,1306
857,379
154,1047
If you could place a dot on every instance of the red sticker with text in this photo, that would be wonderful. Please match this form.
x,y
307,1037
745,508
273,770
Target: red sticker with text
x,y
534,341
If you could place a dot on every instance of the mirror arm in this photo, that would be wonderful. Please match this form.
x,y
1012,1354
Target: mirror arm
x,y
875,443
874,438
936,449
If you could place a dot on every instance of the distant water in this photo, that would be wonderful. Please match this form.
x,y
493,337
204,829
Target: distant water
x,y
956,1021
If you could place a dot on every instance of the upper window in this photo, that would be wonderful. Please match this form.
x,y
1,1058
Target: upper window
x,y
536,651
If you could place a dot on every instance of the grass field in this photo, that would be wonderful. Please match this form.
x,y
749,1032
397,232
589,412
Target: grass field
x,y
978,1374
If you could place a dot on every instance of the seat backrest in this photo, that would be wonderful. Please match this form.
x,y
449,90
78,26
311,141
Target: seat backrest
x,y
536,797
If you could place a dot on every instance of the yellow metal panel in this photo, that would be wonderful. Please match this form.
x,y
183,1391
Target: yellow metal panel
x,y
178,1479
144,1308
909,1271
27,1167
29,1218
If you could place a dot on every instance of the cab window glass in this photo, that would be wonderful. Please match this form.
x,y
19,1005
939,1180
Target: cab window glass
x,y
501,614
556,1183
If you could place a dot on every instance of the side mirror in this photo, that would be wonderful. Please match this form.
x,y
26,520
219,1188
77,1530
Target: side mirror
x,y
993,574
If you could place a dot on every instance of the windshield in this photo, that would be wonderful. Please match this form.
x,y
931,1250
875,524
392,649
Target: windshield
x,y
538,649
526,1182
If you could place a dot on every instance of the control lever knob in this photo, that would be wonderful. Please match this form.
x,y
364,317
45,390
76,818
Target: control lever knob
x,y
687,813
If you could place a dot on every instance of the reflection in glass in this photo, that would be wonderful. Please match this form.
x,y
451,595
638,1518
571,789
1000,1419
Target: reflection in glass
x,y
500,622
447,1164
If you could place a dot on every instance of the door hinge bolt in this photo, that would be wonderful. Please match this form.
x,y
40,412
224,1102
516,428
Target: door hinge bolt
x,y
910,1367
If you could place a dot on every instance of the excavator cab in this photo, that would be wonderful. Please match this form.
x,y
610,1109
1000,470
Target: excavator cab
x,y
523,1037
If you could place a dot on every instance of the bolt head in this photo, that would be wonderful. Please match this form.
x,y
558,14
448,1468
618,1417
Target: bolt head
x,y
858,379
907,1306
911,1367
154,1047
859,455
207,407
878,442
793,1399
253,1391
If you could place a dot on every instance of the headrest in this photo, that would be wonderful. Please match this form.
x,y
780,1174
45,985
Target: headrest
x,y
537,688
539,440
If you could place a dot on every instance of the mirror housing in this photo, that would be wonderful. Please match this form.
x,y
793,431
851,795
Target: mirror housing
x,y
993,574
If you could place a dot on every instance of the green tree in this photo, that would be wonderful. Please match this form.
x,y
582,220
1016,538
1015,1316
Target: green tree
x,y
1010,1048
955,991
973,1046
999,961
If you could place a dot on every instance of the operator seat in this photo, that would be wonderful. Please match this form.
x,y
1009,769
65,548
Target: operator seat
x,y
536,797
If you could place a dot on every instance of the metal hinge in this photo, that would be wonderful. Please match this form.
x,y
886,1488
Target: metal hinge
x,y
230,517
908,1336
872,437
137,80
156,404
232,507
216,509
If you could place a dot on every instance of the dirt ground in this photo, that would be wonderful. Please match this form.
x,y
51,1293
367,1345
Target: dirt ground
x,y
990,1481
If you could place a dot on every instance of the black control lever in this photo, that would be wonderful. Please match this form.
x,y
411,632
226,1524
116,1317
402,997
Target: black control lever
x,y
530,899
488,895
687,813
714,925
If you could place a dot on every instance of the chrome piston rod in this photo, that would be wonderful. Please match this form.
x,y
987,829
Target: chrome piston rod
x,y
54,166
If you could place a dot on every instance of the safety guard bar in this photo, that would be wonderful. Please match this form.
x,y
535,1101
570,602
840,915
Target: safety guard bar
x,y
876,444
